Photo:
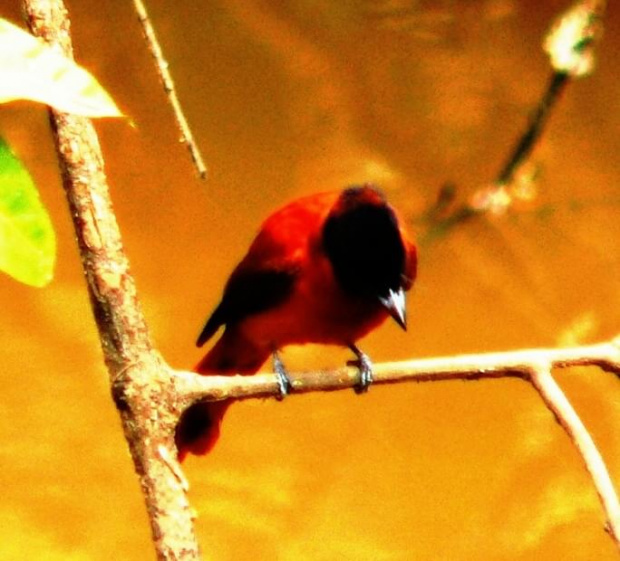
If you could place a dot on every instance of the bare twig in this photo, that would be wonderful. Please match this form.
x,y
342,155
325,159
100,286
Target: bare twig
x,y
139,378
570,46
526,143
166,78
566,416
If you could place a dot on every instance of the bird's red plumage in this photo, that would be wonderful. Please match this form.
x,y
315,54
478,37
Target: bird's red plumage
x,y
283,292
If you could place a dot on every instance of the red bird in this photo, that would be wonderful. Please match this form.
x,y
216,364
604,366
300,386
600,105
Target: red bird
x,y
327,268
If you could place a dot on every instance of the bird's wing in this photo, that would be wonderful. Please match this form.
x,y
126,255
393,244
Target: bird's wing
x,y
266,275
263,279
249,292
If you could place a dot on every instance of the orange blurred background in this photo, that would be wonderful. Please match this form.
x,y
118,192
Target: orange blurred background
x,y
292,98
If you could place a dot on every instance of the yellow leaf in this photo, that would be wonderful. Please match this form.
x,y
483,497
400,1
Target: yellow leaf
x,y
29,69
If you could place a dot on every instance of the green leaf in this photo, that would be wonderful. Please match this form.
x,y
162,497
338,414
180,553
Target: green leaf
x,y
27,239
30,69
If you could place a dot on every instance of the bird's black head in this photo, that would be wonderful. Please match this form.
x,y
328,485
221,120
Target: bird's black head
x,y
363,243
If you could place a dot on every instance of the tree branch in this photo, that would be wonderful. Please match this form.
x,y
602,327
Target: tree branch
x,y
191,387
570,45
140,380
523,149
161,64
533,365
567,417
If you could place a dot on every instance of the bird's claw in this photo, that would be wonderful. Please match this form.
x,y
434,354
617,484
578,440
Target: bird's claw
x,y
284,382
364,366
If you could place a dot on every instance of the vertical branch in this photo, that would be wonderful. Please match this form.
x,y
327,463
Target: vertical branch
x,y
556,401
141,382
124,334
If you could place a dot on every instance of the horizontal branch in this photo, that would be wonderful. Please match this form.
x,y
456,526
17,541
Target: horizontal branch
x,y
139,377
192,387
532,365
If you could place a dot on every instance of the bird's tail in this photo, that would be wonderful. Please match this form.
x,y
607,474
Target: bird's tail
x,y
199,427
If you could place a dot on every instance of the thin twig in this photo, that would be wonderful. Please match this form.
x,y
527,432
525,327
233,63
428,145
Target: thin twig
x,y
526,143
570,45
567,417
495,196
139,378
169,88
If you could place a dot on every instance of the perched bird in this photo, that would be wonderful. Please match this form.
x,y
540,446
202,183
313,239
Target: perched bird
x,y
327,268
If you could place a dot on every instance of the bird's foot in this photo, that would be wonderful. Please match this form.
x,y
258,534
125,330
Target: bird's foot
x,y
284,382
364,365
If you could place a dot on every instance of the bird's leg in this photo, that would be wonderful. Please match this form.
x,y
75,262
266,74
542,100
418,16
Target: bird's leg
x,y
284,382
364,365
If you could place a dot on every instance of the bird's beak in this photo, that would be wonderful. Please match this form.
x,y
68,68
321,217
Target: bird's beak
x,y
394,303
